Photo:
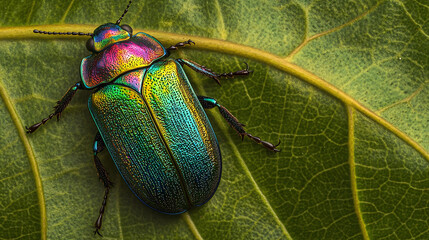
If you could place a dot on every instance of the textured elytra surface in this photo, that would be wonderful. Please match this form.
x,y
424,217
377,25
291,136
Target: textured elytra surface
x,y
160,139
375,51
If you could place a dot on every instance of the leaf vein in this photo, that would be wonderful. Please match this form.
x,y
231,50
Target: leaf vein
x,y
252,180
187,218
221,22
66,12
352,165
31,12
307,40
31,157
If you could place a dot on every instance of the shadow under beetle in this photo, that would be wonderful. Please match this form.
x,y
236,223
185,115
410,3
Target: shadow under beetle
x,y
149,118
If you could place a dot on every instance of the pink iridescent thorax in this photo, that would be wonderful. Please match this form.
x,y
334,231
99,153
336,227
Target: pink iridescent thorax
x,y
138,52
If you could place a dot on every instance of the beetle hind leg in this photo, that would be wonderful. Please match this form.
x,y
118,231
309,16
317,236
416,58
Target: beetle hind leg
x,y
208,72
208,102
104,177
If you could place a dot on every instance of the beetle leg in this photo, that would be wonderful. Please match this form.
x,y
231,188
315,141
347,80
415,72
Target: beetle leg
x,y
180,44
208,102
58,109
103,176
208,72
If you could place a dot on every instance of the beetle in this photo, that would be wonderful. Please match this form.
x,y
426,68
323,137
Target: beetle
x,y
150,119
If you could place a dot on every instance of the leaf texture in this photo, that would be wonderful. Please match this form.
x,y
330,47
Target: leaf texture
x,y
342,84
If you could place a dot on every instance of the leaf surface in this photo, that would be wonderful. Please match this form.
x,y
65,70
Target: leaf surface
x,y
342,84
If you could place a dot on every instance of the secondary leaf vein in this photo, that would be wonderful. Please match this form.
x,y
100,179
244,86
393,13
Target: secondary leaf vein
x,y
187,218
66,12
352,165
307,40
31,157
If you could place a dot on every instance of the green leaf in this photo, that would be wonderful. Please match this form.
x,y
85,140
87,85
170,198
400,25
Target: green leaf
x,y
342,84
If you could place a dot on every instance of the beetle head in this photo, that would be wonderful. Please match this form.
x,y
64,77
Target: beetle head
x,y
103,36
108,34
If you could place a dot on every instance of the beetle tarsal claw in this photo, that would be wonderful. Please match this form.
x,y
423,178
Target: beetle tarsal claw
x,y
217,81
97,232
190,41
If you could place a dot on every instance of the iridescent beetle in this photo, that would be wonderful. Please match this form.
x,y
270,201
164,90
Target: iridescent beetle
x,y
150,119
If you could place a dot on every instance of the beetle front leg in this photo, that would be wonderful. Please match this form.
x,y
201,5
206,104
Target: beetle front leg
x,y
61,105
103,176
208,102
208,72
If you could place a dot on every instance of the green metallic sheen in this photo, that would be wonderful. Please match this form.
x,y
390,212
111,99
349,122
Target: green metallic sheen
x,y
159,137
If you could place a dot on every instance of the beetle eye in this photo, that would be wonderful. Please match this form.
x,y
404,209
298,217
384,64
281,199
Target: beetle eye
x,y
127,28
90,45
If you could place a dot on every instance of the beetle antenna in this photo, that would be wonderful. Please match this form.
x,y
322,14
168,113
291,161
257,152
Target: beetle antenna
x,y
123,14
62,33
